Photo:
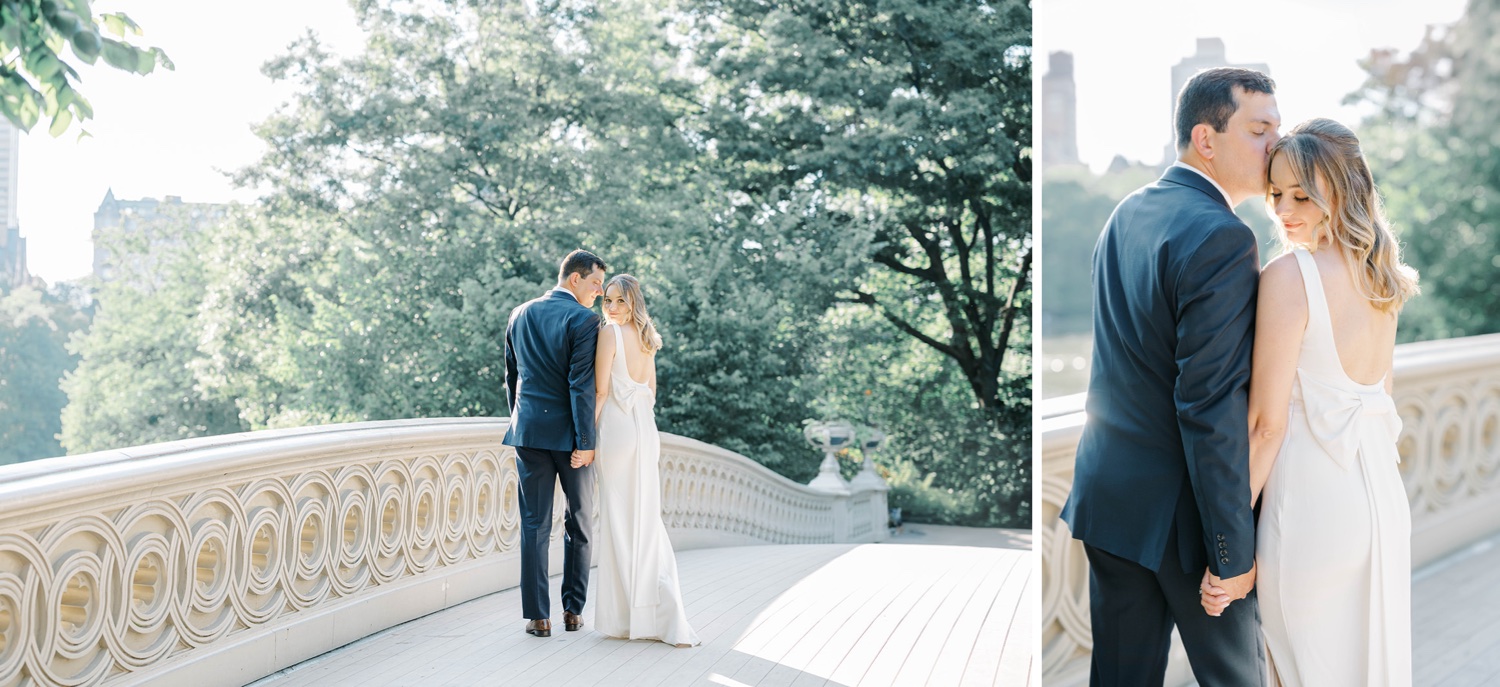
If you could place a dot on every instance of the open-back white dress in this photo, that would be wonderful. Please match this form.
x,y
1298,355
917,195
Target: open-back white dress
x,y
638,596
1334,541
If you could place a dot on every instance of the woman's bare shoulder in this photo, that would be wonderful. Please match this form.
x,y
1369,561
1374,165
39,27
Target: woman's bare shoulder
x,y
1281,277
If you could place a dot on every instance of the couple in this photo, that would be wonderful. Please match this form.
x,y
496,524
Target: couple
x,y
1220,390
564,419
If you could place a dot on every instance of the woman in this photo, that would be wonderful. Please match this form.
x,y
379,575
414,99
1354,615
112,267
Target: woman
x,y
1333,546
638,595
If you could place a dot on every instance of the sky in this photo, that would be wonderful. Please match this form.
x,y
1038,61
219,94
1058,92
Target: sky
x,y
175,133
1123,54
170,132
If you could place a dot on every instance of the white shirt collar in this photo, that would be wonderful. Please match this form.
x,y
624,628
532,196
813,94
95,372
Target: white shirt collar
x,y
570,293
1199,172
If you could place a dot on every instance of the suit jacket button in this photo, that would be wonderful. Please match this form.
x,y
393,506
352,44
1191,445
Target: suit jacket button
x,y
1224,560
1221,537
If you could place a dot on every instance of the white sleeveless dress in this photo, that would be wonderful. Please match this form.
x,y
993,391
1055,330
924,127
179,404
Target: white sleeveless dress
x,y
637,596
1334,541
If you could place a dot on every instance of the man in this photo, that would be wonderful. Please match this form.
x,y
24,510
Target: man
x,y
1161,487
549,384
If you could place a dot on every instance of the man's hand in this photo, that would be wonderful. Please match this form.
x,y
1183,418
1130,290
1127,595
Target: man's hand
x,y
581,458
1217,593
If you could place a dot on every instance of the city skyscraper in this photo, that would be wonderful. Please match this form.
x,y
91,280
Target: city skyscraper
x,y
1060,112
12,247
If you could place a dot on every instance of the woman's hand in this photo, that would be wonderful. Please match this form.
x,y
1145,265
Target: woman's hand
x,y
1214,598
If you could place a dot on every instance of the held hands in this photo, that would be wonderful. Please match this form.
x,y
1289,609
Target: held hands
x,y
581,458
1216,593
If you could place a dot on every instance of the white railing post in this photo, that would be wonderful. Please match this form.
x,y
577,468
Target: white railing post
x,y
842,522
869,491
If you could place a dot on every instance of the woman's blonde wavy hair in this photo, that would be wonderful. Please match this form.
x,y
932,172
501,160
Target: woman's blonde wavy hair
x,y
1353,218
630,287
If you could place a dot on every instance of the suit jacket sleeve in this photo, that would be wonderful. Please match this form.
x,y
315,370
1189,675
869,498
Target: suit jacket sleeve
x,y
511,371
583,342
1215,329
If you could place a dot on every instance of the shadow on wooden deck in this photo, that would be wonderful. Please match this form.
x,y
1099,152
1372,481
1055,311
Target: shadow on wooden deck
x,y
835,614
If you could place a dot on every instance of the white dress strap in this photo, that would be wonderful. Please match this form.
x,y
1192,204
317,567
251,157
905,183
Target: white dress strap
x,y
619,342
1318,339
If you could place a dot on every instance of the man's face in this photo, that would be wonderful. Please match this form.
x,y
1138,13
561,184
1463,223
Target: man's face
x,y
586,289
1242,151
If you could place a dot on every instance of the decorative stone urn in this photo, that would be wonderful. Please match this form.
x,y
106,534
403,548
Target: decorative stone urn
x,y
868,478
830,438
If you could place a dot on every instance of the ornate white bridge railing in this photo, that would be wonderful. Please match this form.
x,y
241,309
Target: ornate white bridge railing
x,y
220,560
1448,393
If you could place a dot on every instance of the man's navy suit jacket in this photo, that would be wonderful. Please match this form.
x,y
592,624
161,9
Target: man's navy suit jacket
x,y
549,373
1166,442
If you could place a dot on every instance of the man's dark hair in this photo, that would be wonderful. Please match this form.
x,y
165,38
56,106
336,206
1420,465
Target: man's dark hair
x,y
1208,98
580,262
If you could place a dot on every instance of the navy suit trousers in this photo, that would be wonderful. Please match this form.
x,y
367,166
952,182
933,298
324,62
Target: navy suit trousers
x,y
540,470
1133,609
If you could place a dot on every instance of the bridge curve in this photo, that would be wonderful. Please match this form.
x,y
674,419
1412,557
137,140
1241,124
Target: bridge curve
x,y
219,560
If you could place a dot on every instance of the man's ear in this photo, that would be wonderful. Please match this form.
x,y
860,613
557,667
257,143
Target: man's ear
x,y
1203,141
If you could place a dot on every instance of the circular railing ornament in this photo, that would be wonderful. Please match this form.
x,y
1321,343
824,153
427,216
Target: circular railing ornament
x,y
153,569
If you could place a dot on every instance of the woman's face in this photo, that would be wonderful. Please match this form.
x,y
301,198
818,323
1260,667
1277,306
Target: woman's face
x,y
616,310
1298,215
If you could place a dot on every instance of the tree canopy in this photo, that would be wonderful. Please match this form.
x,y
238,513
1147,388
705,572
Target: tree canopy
x,y
36,80
1432,147
418,191
907,121
34,329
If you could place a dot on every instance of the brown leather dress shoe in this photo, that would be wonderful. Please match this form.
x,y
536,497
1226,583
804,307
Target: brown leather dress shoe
x,y
572,621
539,628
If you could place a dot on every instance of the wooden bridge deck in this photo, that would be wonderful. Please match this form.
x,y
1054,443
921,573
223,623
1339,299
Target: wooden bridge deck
x,y
839,614
1455,611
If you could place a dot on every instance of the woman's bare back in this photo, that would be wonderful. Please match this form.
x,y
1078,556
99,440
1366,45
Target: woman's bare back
x,y
639,364
1364,335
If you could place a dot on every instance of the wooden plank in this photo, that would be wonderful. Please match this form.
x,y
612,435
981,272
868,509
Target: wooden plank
x,y
873,640
758,590
1456,619
955,652
991,643
728,659
895,649
921,661
1018,658
767,615
845,629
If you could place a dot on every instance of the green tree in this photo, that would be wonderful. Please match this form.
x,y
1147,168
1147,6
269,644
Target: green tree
x,y
36,80
911,123
34,330
418,191
945,462
1074,210
1455,237
424,188
135,382
1431,143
